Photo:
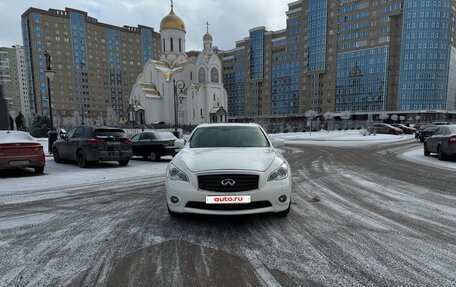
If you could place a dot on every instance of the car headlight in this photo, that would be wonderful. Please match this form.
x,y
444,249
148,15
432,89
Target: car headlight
x,y
280,173
176,174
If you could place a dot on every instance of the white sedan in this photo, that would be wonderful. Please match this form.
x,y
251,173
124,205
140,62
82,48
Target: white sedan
x,y
228,169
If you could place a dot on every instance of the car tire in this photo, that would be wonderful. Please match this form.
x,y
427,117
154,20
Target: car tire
x,y
172,213
426,152
39,169
81,159
123,162
55,154
284,212
154,156
440,154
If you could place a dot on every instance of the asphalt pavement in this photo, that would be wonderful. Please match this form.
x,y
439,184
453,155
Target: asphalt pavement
x,y
360,217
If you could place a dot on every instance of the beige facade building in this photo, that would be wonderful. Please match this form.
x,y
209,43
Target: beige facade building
x,y
96,64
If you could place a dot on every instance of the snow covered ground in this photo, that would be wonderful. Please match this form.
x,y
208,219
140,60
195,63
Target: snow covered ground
x,y
69,174
417,155
339,138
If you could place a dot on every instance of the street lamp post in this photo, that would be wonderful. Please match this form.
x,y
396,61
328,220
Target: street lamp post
x,y
179,84
50,75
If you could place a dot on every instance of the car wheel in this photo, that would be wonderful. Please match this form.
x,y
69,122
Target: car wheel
x,y
172,213
426,152
55,154
123,162
285,212
440,153
154,157
82,161
39,169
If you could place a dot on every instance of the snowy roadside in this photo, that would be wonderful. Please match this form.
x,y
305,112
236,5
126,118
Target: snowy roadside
x,y
339,138
417,155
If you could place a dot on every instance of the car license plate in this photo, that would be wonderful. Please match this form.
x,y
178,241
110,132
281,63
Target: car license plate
x,y
113,143
18,162
228,199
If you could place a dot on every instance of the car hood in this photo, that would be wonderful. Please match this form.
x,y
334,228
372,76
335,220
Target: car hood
x,y
204,159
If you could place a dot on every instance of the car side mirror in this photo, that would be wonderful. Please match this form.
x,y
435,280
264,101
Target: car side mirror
x,y
179,143
278,143
63,136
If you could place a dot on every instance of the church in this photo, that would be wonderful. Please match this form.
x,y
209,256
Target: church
x,y
181,88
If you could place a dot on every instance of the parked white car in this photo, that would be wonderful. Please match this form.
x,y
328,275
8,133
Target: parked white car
x,y
228,169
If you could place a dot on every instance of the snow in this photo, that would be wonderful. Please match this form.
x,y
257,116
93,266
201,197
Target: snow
x,y
69,174
338,138
417,155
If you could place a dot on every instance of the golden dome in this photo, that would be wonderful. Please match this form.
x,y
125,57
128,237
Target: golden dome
x,y
172,21
207,37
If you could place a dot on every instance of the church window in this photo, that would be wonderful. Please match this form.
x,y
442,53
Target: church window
x,y
164,45
214,75
191,76
201,75
172,45
180,45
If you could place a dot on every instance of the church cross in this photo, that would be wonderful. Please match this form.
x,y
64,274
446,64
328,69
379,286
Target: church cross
x,y
172,4
207,24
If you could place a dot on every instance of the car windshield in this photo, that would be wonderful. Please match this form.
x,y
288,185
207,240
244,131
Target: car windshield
x,y
165,136
14,137
109,133
452,129
228,136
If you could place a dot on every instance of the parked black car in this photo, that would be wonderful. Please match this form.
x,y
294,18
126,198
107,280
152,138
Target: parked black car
x,y
427,132
87,144
420,128
154,144
442,142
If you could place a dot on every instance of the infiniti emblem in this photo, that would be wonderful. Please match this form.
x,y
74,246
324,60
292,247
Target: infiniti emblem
x,y
228,182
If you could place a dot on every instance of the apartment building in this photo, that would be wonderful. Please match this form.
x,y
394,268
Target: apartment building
x,y
361,56
96,64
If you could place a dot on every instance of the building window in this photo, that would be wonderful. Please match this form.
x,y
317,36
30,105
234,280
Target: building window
x,y
214,75
201,75
180,45
164,45
172,45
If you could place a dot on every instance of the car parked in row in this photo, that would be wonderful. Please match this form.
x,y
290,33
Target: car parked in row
x,y
382,128
153,144
427,132
407,130
86,144
442,142
20,150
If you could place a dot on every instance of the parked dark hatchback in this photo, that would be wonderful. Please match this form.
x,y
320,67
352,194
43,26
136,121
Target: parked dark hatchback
x,y
153,144
87,144
442,142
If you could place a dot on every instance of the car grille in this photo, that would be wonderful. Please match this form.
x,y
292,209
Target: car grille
x,y
245,206
242,182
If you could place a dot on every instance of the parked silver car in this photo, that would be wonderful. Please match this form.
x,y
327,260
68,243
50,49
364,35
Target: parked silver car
x,y
442,142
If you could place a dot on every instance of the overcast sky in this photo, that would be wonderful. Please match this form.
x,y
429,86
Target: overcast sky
x,y
230,20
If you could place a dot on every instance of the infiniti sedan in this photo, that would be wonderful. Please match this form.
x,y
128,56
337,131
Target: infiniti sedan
x,y
228,169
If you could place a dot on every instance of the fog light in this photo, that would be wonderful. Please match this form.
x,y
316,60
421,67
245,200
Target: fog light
x,y
282,198
174,199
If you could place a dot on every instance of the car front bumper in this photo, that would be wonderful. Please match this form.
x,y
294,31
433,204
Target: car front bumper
x,y
265,199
